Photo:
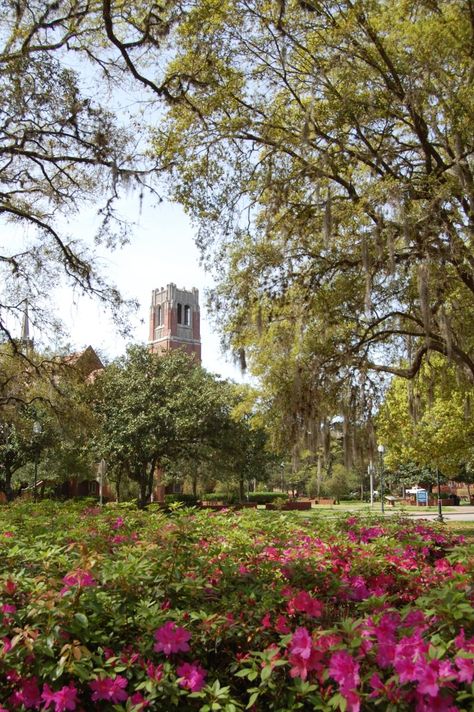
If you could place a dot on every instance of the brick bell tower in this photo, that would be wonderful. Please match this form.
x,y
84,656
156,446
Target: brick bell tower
x,y
175,321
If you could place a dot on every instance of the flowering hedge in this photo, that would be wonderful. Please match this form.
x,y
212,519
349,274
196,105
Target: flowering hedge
x,y
129,610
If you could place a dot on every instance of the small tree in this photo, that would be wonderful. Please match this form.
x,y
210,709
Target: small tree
x,y
156,408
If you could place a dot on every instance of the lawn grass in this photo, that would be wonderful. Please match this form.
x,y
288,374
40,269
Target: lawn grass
x,y
465,529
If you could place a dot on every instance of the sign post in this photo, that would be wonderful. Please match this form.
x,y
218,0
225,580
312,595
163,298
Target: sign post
x,y
422,497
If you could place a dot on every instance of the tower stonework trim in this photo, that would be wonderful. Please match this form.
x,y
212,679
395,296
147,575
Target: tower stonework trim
x,y
166,331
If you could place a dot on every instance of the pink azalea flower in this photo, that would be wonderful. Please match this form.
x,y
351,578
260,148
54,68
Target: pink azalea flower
x,y
191,676
27,695
138,702
119,522
8,608
436,704
266,621
344,669
301,643
155,672
80,578
111,689
170,638
281,625
10,587
305,603
466,669
64,699
300,667
7,645
377,685
427,676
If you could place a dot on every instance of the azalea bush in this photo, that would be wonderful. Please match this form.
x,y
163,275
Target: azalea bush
x,y
196,610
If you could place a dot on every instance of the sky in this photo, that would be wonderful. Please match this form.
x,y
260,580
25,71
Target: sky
x,y
161,251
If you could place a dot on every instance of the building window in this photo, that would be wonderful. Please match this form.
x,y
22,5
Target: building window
x,y
187,315
158,316
180,314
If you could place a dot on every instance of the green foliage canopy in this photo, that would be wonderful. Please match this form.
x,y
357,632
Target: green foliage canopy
x,y
326,151
153,409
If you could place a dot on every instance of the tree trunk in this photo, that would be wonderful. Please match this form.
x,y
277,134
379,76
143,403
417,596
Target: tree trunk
x,y
7,488
118,482
143,492
241,489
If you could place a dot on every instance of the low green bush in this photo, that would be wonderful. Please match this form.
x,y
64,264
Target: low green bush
x,y
223,497
267,497
190,499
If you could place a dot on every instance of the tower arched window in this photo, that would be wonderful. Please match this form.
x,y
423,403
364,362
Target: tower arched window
x,y
187,315
159,319
180,313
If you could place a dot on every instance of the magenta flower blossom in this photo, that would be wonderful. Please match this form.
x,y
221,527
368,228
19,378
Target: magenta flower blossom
x,y
281,625
191,676
154,672
427,676
305,603
466,669
301,643
111,689
170,638
409,653
64,699
139,703
27,695
345,670
10,587
8,608
300,667
80,577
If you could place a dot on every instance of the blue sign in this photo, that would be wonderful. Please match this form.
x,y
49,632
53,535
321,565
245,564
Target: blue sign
x,y
422,497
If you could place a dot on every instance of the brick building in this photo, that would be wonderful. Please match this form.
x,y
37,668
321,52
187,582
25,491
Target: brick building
x,y
175,321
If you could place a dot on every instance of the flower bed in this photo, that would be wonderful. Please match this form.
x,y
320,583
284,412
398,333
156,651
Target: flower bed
x,y
128,610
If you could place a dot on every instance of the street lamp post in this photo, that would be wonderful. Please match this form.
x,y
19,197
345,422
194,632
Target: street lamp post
x,y
440,506
37,430
370,469
102,471
381,451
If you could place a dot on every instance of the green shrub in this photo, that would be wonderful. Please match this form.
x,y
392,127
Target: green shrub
x,y
126,506
267,497
224,497
190,499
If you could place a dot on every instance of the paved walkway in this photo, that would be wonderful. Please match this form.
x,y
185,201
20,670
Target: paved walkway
x,y
450,514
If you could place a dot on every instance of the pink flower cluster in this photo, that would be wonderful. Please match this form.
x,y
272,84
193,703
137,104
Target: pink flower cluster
x,y
415,676
170,639
80,578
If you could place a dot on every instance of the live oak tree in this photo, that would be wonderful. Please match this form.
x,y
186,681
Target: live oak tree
x,y
66,142
154,409
42,388
326,150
